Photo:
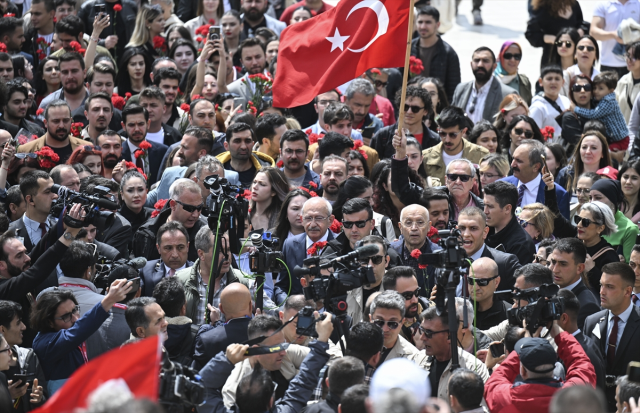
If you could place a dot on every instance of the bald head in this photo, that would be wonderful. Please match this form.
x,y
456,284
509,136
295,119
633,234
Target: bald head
x,y
484,265
484,268
235,301
413,210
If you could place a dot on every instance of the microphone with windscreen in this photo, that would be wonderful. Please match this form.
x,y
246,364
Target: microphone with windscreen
x,y
359,253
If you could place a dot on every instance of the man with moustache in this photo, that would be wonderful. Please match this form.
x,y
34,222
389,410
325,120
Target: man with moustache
x,y
481,98
437,203
403,280
98,112
57,121
255,17
294,146
72,72
111,144
334,172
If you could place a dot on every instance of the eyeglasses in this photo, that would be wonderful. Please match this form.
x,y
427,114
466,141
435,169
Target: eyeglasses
x,y
297,152
419,224
392,324
359,224
414,108
567,43
65,318
455,177
26,155
190,208
8,348
585,191
408,295
429,334
308,220
489,175
527,133
375,260
452,135
581,88
589,48
89,148
482,282
509,56
585,221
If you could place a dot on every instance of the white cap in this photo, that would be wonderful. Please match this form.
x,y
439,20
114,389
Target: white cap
x,y
400,373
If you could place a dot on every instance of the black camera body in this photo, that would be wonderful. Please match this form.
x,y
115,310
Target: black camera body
x,y
108,271
264,259
180,385
223,204
91,204
546,308
306,325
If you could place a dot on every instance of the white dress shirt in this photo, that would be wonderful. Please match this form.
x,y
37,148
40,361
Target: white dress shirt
x,y
531,191
33,229
624,317
572,286
310,243
477,100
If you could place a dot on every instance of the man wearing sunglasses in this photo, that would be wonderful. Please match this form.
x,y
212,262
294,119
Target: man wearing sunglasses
x,y
482,282
403,280
452,127
528,165
460,178
387,312
359,96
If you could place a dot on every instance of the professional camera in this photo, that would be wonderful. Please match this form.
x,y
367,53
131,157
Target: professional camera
x,y
544,307
347,274
180,385
264,259
108,271
91,204
306,325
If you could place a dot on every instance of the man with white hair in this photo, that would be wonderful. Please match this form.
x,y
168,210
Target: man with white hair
x,y
460,177
414,226
184,206
316,219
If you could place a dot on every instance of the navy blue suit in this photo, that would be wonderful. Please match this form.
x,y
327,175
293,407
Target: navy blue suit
x,y
151,274
561,195
211,340
294,252
156,153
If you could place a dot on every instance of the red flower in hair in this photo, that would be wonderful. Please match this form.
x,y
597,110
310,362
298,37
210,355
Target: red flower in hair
x,y
416,253
117,8
280,163
363,153
39,112
313,184
129,165
336,226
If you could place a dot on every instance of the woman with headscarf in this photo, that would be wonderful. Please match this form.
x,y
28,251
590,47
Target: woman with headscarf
x,y
507,70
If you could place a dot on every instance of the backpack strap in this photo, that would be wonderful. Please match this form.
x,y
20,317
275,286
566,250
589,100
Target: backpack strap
x,y
602,251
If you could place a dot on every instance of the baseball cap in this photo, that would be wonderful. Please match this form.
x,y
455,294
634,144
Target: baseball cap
x,y
534,352
609,172
400,373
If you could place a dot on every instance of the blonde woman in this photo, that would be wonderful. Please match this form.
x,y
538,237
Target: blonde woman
x,y
537,220
149,24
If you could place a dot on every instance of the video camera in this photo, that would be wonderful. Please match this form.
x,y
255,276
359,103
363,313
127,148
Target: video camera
x,y
544,307
306,325
223,203
180,385
264,259
347,274
91,204
107,271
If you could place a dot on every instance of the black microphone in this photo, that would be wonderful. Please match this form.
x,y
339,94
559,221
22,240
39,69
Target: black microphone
x,y
365,251
104,203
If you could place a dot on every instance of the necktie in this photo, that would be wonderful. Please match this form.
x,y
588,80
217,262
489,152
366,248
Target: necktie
x,y
521,194
43,229
634,299
172,272
139,163
613,340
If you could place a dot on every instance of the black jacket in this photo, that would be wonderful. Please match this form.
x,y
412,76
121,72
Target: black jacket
x,y
118,235
594,354
515,241
328,405
28,363
156,154
9,127
588,302
211,340
116,119
484,320
125,21
340,246
444,65
507,266
171,135
180,335
382,141
31,127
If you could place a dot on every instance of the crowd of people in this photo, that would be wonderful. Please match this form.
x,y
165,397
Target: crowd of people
x,y
137,102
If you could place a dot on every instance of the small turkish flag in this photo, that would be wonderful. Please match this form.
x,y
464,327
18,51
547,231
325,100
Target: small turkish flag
x,y
339,45
137,364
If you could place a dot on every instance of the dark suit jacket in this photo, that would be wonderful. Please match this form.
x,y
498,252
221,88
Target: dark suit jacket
x,y
561,195
212,340
294,252
118,235
589,304
171,135
507,265
156,153
626,351
515,240
151,274
594,355
497,92
21,231
9,127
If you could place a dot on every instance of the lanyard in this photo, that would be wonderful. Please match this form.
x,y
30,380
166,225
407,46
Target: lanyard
x,y
83,351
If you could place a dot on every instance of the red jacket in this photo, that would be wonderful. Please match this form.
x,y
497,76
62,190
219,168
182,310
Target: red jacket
x,y
503,397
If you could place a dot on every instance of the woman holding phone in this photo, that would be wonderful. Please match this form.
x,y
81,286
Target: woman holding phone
x,y
209,12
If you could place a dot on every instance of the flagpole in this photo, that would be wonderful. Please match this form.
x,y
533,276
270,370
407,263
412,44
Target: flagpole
x,y
405,76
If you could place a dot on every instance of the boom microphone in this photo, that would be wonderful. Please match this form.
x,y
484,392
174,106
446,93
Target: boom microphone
x,y
365,251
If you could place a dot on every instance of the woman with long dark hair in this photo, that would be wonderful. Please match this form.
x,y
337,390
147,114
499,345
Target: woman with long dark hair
x,y
629,177
486,135
591,154
289,222
47,78
22,67
270,187
564,48
184,53
439,99
358,164
580,93
521,127
134,71
178,32
556,157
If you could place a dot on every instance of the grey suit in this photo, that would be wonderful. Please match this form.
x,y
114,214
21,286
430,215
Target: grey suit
x,y
497,92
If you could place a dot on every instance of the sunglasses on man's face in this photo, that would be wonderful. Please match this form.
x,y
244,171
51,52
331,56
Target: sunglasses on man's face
x,y
380,83
482,282
392,324
350,224
589,48
414,108
191,208
455,177
408,295
429,334
375,260
509,56
581,88
527,133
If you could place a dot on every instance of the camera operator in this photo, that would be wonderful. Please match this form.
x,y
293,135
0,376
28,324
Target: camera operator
x,y
19,278
255,388
534,360
437,340
357,297
615,330
625,390
292,306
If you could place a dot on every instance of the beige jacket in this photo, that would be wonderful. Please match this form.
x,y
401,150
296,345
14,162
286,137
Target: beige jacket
x,y
355,306
289,368
434,162
403,349
626,92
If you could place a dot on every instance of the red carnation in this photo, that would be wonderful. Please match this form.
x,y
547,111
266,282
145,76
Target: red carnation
x,y
357,145
129,165
313,194
280,164
75,46
336,226
199,39
422,266
127,95
145,145
117,101
212,21
9,15
39,112
138,153
158,206
117,8
314,138
416,253
313,184
363,153
433,234
3,47
76,129
321,244
196,97
185,107
304,189
376,71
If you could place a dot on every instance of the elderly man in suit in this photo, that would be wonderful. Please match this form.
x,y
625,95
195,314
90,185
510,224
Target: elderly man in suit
x,y
568,265
481,98
316,218
173,246
135,122
616,329
527,166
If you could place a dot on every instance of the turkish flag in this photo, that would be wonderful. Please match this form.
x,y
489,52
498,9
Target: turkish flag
x,y
337,46
137,364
